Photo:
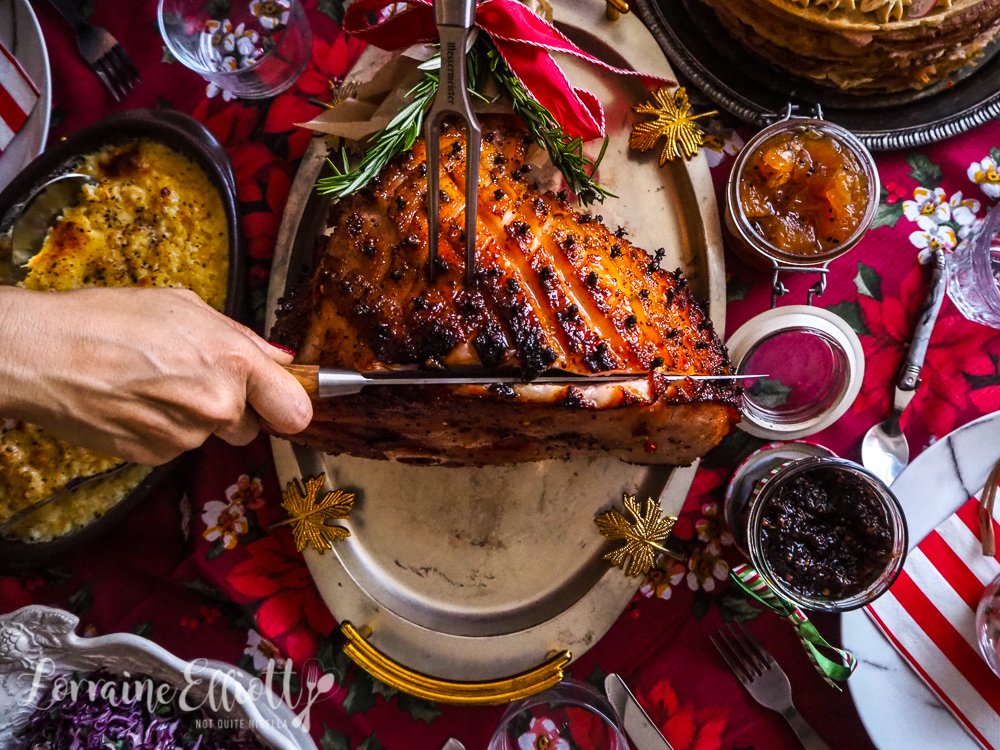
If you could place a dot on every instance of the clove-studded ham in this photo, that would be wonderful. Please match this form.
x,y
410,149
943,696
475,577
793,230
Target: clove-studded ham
x,y
554,289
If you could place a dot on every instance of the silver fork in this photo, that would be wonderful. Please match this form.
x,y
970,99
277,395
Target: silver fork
x,y
102,51
764,679
454,21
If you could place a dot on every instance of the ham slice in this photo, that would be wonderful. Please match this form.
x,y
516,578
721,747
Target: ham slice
x,y
554,289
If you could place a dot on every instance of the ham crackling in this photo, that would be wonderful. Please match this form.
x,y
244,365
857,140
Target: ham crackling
x,y
554,289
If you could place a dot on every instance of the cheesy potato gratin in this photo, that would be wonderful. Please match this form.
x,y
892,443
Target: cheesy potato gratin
x,y
153,219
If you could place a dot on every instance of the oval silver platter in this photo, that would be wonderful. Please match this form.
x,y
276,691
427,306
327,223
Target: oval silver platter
x,y
750,89
480,573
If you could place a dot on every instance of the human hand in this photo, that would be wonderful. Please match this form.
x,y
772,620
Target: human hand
x,y
142,374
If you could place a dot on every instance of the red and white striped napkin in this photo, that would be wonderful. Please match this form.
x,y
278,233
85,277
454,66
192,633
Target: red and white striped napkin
x,y
929,616
18,96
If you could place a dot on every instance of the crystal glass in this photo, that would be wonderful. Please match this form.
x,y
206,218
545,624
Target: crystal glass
x,y
974,273
570,715
988,625
251,49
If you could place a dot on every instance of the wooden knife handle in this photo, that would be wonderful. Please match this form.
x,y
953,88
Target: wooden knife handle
x,y
308,377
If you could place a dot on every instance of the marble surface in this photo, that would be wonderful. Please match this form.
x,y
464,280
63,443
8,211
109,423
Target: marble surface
x,y
884,688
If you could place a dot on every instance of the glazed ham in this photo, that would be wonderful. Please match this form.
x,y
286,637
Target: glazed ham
x,y
554,289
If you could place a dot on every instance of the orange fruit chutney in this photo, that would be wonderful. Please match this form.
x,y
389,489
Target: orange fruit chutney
x,y
803,192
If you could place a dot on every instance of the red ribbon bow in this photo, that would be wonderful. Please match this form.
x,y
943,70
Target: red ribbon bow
x,y
522,38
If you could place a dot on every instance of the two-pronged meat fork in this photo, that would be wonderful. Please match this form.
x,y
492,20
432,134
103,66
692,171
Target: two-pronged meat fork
x,y
454,19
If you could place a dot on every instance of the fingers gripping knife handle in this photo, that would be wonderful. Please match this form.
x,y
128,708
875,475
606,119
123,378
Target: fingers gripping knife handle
x,y
909,376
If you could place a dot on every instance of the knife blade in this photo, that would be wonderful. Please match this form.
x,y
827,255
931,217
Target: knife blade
x,y
329,382
638,726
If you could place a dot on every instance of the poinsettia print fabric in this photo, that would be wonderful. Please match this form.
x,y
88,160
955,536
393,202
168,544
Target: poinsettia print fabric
x,y
202,569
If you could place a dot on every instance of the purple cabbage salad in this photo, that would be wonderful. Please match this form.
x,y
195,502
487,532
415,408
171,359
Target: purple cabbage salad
x,y
131,719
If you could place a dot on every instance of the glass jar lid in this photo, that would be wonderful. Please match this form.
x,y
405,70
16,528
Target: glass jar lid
x,y
813,364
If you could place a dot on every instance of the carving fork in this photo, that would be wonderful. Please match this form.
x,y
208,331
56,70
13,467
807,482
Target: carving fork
x,y
454,19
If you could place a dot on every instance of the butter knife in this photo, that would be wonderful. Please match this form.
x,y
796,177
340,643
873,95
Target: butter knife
x,y
328,382
638,726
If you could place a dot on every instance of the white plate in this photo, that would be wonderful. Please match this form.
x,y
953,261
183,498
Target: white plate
x,y
897,709
21,34
477,574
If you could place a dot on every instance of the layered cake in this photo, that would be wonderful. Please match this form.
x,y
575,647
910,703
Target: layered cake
x,y
866,46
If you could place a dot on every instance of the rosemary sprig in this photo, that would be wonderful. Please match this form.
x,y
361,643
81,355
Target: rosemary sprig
x,y
397,136
402,130
566,153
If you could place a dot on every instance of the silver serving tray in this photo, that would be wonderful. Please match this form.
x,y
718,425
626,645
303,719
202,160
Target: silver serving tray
x,y
478,574
704,53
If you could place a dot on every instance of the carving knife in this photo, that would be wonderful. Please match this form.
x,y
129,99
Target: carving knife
x,y
328,382
638,726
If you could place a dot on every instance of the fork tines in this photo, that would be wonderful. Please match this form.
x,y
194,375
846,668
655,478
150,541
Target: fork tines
x,y
117,71
744,655
454,21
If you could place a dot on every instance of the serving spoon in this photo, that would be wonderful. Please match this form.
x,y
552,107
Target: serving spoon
x,y
884,450
30,220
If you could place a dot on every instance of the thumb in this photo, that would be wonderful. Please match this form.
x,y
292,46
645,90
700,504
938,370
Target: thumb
x,y
278,397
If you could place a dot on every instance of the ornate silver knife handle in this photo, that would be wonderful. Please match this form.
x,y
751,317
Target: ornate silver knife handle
x,y
909,375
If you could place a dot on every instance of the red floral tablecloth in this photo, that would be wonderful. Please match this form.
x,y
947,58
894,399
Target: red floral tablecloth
x,y
194,570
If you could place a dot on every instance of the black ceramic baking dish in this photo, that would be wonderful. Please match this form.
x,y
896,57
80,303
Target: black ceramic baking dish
x,y
191,138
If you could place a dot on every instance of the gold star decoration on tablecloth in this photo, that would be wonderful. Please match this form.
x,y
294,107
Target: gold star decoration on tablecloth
x,y
308,513
643,536
673,120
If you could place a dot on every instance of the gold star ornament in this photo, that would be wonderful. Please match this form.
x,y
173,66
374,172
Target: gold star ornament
x,y
673,121
309,514
643,535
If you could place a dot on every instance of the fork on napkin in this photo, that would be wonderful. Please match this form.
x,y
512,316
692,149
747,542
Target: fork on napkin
x,y
929,617
18,97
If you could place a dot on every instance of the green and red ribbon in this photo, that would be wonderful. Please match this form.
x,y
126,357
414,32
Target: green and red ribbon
x,y
523,39
836,669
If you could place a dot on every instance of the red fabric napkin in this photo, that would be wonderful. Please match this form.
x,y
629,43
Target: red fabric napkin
x,y
18,96
929,617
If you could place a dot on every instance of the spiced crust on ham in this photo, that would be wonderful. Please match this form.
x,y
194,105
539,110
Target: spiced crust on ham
x,y
554,289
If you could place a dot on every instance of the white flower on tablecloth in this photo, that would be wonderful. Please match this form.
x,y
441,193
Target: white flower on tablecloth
x,y
262,651
705,566
984,173
225,522
661,579
931,238
720,141
272,14
712,526
964,213
932,204
542,734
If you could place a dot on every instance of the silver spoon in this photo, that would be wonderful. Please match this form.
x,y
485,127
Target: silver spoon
x,y
884,451
30,220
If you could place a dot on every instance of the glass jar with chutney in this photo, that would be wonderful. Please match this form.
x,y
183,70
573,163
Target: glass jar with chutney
x,y
802,192
825,533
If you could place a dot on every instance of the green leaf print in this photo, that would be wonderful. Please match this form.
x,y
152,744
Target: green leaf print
x,y
851,312
769,392
332,8
735,607
868,282
924,171
332,740
887,214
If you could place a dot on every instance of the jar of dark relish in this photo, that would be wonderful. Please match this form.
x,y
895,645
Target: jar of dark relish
x,y
825,533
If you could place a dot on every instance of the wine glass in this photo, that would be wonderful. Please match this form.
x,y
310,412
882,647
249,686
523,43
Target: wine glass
x,y
570,715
